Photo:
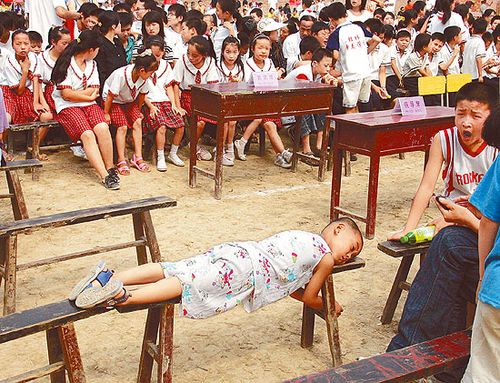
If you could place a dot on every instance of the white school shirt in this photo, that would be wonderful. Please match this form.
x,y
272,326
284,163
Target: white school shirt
x,y
379,57
290,63
160,80
400,58
174,41
413,63
490,53
76,79
218,36
446,52
463,170
185,72
365,15
46,66
230,75
123,88
291,48
12,72
436,24
303,72
473,49
251,66
434,63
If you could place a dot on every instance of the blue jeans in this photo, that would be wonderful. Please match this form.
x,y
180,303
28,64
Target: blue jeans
x,y
437,300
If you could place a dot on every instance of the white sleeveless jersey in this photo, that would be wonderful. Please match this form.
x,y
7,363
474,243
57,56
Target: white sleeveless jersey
x,y
463,169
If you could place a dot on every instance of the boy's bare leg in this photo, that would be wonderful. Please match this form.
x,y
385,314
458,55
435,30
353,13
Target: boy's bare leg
x,y
159,291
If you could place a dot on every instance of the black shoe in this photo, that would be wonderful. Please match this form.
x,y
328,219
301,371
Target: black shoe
x,y
114,175
111,183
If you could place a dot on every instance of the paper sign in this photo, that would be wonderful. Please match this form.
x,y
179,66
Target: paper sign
x,y
265,79
410,106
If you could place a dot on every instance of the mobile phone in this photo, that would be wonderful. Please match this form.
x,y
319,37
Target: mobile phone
x,y
438,200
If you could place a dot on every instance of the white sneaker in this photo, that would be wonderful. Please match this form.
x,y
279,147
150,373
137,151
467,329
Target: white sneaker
x,y
174,158
240,150
161,164
230,155
282,162
287,155
79,152
226,160
203,154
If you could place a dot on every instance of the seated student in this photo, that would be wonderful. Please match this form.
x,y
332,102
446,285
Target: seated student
x,y
437,42
484,363
251,273
399,53
417,63
447,279
36,42
307,46
190,28
317,70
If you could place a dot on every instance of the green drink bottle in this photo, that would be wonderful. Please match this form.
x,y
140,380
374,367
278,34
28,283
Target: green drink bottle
x,y
419,235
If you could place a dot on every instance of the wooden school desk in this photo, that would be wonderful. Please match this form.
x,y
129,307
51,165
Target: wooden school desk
x,y
241,101
378,134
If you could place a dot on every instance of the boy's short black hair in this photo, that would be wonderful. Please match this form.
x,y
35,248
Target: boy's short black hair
x,y
403,33
374,25
244,39
227,6
154,41
487,36
122,7
257,11
199,25
438,36
451,32
421,41
309,44
86,9
349,222
388,31
491,133
35,37
336,11
126,19
479,26
193,14
479,92
319,26
178,10
379,11
320,53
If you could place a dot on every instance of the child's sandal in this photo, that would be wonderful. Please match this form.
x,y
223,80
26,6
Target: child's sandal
x,y
97,274
140,164
122,168
94,296
111,303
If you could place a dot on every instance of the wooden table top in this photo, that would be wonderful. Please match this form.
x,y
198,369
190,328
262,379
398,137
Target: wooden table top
x,y
239,88
385,118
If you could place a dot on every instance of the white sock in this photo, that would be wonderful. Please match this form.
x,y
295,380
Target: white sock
x,y
243,140
161,153
173,149
230,148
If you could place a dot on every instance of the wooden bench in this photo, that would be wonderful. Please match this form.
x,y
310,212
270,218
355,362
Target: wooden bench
x,y
143,230
15,190
404,365
407,252
57,320
327,314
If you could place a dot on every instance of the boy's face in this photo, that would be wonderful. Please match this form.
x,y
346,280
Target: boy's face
x,y
36,47
305,28
187,33
125,32
173,20
90,22
403,43
469,119
388,19
322,36
436,46
345,244
222,15
323,66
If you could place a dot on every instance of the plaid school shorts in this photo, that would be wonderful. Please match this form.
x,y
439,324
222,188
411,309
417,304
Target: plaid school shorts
x,y
77,120
125,114
165,116
20,107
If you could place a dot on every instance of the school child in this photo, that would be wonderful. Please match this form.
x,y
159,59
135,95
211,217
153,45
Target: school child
x,y
190,28
307,46
175,18
271,28
36,42
124,94
437,42
408,21
197,66
20,85
260,62
125,35
317,70
462,157
450,54
224,10
399,53
320,31
475,50
417,63
492,63
163,113
76,88
356,10
485,360
231,69
251,273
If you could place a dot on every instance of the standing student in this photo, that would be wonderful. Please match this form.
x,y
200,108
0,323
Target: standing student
x,y
227,27
197,66
163,113
260,62
124,93
417,64
399,53
77,87
125,35
450,53
175,18
475,51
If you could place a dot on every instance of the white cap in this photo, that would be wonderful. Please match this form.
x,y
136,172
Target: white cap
x,y
308,12
268,25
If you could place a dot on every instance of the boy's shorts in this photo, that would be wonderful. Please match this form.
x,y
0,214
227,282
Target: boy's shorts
x,y
354,91
312,123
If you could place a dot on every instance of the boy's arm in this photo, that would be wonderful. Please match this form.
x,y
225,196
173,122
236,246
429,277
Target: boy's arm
x,y
373,42
107,106
395,69
479,64
488,230
445,65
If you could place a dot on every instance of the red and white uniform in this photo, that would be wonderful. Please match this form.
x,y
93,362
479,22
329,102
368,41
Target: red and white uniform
x,y
124,110
303,72
230,75
160,81
20,107
251,66
46,66
78,117
463,170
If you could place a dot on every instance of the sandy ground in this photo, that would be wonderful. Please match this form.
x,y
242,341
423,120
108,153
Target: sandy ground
x,y
259,199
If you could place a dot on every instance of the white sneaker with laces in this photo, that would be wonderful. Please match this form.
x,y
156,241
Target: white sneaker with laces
x,y
229,155
282,162
79,152
240,150
287,155
161,164
175,159
203,154
226,160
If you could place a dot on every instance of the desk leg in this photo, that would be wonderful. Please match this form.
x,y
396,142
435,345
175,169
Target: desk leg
x,y
324,149
193,142
17,197
336,182
218,158
10,268
372,196
332,326
296,143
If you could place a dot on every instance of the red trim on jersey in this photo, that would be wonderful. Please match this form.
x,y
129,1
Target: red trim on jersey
x,y
301,76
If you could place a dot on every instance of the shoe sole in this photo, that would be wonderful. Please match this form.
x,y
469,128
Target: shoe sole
x,y
96,295
161,170
84,282
178,165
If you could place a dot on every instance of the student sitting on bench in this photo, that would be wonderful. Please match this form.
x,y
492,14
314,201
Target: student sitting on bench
x,y
251,273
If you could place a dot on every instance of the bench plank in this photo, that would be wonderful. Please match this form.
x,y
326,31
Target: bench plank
x,y
33,125
353,264
397,249
21,164
404,365
86,215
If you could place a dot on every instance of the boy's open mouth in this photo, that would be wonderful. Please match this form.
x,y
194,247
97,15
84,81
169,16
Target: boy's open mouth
x,y
467,134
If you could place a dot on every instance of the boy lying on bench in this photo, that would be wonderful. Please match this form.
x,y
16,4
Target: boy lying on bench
x,y
251,273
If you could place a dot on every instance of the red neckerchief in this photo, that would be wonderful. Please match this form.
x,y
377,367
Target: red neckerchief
x,y
84,77
198,75
155,77
133,91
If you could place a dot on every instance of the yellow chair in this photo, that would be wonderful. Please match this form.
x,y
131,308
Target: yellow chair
x,y
454,82
430,86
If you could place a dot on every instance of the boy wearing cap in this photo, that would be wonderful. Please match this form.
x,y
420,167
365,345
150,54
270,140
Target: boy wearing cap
x,y
271,28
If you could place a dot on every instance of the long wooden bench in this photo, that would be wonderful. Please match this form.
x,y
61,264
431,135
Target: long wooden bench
x,y
57,320
404,365
396,249
145,237
16,194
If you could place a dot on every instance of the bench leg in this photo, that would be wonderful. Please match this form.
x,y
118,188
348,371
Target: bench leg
x,y
347,161
307,333
324,151
17,199
149,346
34,153
152,242
395,294
296,142
55,352
332,326
71,352
262,141
166,344
142,256
10,268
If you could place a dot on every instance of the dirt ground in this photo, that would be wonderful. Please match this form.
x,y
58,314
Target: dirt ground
x,y
259,199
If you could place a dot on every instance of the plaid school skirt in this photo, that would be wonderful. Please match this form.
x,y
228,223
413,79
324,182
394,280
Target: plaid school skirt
x,y
125,114
186,105
47,93
20,107
77,120
165,116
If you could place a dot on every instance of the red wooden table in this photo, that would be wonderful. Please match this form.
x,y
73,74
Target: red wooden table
x,y
241,101
378,134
